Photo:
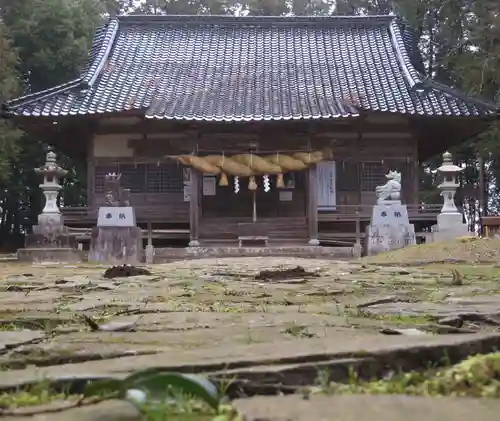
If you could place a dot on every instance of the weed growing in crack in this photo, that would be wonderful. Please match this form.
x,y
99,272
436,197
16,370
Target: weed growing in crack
x,y
299,331
476,376
34,395
394,318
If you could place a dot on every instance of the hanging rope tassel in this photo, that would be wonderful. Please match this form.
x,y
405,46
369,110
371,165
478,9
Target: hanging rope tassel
x,y
252,185
223,182
280,183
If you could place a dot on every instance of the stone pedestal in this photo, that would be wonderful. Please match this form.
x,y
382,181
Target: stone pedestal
x,y
389,228
50,242
116,240
449,226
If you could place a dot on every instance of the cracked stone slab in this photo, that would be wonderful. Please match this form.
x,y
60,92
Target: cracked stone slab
x,y
11,339
216,358
112,410
451,307
366,408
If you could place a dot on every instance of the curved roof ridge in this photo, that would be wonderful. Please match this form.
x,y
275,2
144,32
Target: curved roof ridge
x,y
412,76
227,19
101,55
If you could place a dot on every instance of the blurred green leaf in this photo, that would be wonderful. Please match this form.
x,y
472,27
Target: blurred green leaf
x,y
159,384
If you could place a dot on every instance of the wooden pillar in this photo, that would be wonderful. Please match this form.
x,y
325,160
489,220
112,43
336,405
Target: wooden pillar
x,y
194,208
150,251
483,191
416,182
90,174
312,205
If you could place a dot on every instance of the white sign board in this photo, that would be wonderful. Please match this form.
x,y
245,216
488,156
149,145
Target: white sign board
x,y
286,196
326,185
394,214
209,186
116,216
187,191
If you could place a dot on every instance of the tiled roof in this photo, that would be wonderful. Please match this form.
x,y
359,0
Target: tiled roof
x,y
223,68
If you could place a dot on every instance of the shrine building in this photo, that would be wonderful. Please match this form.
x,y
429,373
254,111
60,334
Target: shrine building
x,y
285,123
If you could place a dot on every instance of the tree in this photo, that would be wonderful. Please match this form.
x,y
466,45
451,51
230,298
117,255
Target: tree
x,y
49,41
52,37
9,87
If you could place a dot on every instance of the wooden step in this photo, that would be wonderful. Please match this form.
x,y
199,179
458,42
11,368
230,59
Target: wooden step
x,y
277,228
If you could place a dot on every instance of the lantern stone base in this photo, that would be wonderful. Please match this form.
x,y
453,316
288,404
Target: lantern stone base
x,y
50,242
42,237
449,226
49,255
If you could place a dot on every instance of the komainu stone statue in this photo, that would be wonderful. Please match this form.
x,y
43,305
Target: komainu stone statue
x,y
390,226
390,191
115,194
116,239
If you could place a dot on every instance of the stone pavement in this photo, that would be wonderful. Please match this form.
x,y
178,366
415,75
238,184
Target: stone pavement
x,y
203,315
344,348
367,408
317,408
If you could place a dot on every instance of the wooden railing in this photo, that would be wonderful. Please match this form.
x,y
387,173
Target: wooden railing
x,y
359,215
175,213
83,234
171,211
364,212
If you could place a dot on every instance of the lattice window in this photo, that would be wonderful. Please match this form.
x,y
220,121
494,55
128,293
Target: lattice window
x,y
165,177
100,172
133,177
372,175
347,176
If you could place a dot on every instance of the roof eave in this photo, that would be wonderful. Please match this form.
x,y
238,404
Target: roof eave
x,y
85,81
488,107
8,108
417,81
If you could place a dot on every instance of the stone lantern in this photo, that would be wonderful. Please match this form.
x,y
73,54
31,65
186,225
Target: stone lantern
x,y
450,221
50,240
449,184
51,173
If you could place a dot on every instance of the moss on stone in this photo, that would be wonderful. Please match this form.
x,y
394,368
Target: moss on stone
x,y
477,376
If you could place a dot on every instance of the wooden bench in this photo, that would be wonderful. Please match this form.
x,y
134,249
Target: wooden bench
x,y
253,232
